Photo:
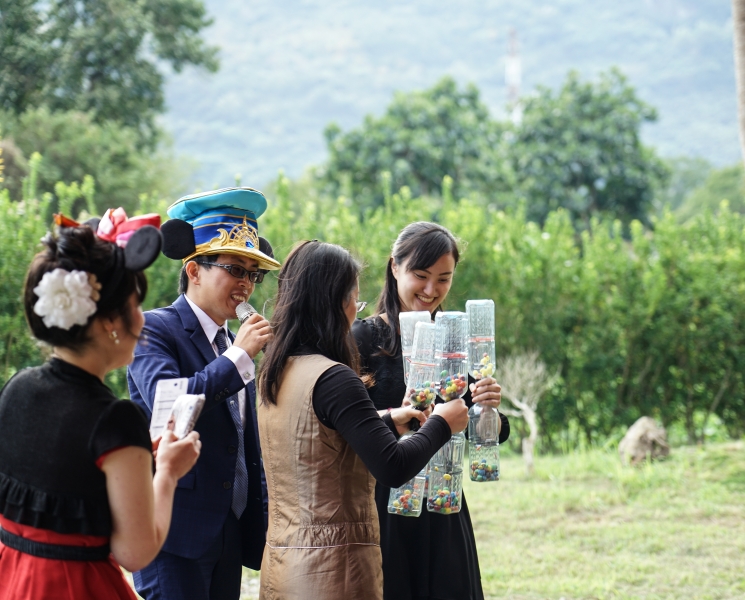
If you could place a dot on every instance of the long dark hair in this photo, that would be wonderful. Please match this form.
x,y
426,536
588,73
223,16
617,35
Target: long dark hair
x,y
317,279
79,249
418,246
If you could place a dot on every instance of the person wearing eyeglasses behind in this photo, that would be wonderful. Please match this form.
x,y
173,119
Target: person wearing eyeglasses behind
x,y
324,442
219,519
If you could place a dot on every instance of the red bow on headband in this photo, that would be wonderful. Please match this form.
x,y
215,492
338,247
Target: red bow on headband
x,y
115,226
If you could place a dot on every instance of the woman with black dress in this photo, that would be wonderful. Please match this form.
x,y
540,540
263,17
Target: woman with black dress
x,y
77,493
432,556
322,441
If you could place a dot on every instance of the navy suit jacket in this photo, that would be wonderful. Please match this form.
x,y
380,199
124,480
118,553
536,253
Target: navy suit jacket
x,y
174,345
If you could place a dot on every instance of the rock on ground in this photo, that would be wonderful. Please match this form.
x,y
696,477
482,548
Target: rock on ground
x,y
644,439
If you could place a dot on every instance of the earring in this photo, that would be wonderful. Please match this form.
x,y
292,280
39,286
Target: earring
x,y
114,336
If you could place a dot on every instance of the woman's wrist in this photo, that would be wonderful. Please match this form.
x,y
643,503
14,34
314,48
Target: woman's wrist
x,y
165,477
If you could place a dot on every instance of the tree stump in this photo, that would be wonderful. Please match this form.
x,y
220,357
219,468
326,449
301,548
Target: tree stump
x,y
644,440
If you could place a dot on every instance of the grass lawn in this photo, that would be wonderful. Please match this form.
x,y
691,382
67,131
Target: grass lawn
x,y
585,527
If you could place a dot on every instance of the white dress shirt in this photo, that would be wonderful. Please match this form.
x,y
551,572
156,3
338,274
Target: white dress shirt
x,y
238,356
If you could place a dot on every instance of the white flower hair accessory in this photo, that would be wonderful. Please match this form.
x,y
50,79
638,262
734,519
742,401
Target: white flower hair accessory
x,y
66,298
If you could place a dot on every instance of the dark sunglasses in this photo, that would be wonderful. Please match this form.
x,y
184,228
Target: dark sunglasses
x,y
236,271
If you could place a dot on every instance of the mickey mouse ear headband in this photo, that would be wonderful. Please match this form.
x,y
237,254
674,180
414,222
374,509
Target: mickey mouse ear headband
x,y
138,240
266,248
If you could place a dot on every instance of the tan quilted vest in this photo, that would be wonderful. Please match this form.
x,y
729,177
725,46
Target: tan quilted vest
x,y
323,541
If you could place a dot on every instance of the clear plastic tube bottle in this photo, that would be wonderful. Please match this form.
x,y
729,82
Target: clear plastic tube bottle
x,y
421,390
408,499
445,491
407,322
483,421
421,382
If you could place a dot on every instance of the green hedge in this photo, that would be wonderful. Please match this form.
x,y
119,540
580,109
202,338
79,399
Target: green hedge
x,y
649,325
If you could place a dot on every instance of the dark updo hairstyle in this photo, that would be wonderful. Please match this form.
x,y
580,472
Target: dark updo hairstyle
x,y
79,249
314,284
418,246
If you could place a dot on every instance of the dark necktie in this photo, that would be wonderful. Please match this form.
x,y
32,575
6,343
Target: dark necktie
x,y
240,485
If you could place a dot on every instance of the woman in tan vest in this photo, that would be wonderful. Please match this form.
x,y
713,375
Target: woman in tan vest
x,y
323,442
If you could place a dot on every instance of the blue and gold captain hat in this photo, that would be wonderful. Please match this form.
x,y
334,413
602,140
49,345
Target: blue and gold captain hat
x,y
217,222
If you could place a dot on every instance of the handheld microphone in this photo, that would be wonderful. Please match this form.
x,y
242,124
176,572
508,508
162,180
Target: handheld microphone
x,y
243,311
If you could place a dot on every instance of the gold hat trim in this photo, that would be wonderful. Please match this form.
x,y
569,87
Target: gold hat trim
x,y
235,242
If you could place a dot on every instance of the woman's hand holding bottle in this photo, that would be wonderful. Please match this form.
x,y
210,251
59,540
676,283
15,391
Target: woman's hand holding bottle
x,y
455,413
486,392
403,415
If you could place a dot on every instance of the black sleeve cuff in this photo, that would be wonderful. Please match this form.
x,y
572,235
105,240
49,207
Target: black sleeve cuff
x,y
504,433
388,420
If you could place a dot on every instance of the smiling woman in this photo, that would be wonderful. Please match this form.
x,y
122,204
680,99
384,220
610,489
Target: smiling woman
x,y
424,288
418,277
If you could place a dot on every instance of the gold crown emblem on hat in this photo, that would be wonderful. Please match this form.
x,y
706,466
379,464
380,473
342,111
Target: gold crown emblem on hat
x,y
239,236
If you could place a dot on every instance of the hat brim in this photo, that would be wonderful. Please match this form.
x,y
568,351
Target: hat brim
x,y
265,262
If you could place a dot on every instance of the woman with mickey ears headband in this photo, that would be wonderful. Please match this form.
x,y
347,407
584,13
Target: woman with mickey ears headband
x,y
77,493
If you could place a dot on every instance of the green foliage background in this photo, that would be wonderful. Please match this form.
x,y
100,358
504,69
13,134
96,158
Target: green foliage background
x,y
650,325
73,145
99,57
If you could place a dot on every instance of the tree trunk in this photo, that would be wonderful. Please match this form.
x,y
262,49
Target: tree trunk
x,y
715,404
738,26
529,442
689,409
528,455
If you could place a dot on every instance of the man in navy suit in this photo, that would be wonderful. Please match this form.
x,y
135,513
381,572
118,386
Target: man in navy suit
x,y
219,519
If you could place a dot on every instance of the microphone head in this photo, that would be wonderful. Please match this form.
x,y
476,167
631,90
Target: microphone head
x,y
243,311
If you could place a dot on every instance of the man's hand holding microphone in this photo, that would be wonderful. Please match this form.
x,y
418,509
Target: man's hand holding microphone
x,y
254,333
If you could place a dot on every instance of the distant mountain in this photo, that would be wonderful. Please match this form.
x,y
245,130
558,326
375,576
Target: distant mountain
x,y
289,67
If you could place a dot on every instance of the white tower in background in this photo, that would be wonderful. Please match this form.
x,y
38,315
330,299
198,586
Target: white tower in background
x,y
512,77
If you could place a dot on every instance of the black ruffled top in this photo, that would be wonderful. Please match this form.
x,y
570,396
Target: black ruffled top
x,y
388,371
55,422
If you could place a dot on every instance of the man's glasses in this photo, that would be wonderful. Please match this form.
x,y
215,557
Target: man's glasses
x,y
238,272
360,306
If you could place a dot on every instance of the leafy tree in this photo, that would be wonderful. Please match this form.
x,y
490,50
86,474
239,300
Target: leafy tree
x,y
98,57
21,229
25,55
727,183
651,325
15,167
422,137
73,145
686,174
580,149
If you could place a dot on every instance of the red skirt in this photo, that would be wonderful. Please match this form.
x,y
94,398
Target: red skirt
x,y
26,577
